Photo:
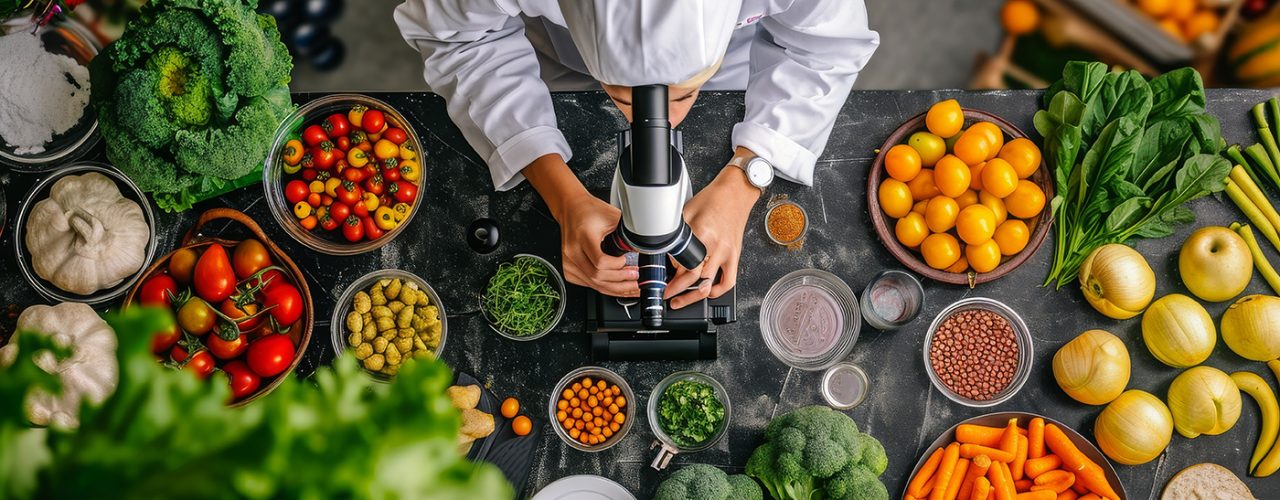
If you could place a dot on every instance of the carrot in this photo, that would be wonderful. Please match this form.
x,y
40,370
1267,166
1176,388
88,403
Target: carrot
x,y
1019,459
957,477
1021,485
1011,489
981,489
1001,486
1037,466
1090,496
1087,473
1069,495
1009,441
945,470
981,434
1035,438
909,497
996,455
927,489
977,468
1079,489
1037,495
916,486
1056,480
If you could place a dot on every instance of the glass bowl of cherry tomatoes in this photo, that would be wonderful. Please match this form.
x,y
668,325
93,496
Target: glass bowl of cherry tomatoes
x,y
344,173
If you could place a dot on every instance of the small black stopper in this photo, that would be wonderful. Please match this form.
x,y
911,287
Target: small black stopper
x,y
482,235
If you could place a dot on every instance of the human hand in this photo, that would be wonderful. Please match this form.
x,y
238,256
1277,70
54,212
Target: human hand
x,y
718,216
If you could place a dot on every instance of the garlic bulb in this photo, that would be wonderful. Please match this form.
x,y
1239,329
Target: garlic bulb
x,y
89,374
1092,368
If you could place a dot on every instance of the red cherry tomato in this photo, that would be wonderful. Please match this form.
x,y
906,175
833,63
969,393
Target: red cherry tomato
x,y
386,200
359,210
249,256
226,349
328,223
270,355
314,199
325,155
314,135
353,229
240,314
165,339
396,135
284,303
371,229
310,174
242,379
214,279
200,363
296,191
339,211
349,193
343,143
391,174
374,185
373,121
353,174
405,192
157,290
336,125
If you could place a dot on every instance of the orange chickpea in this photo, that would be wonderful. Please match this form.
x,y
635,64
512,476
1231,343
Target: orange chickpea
x,y
586,381
579,425
562,405
568,422
577,413
575,402
592,390
566,394
608,400
616,391
561,415
620,401
597,411
615,426
619,418
601,384
574,433
592,401
613,408
576,387
582,394
607,432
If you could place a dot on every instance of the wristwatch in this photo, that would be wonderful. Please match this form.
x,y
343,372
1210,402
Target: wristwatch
x,y
759,170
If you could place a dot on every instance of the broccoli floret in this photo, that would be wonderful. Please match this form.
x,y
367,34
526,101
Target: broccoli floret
x,y
855,483
705,482
814,451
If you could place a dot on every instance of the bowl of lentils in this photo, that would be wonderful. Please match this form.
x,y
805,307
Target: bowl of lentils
x,y
978,352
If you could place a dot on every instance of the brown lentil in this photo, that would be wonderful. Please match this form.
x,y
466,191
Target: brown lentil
x,y
786,222
975,354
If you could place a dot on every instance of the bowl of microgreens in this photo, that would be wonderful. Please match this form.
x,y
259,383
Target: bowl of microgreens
x,y
524,298
688,411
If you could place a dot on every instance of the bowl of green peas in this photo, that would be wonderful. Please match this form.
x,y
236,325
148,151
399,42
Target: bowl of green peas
x,y
524,298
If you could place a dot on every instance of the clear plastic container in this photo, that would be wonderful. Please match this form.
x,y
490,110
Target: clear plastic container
x,y
41,191
668,446
557,282
68,37
810,319
274,179
337,324
1020,332
896,295
597,373
845,386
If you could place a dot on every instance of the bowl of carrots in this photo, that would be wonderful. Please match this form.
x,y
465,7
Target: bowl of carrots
x,y
1013,456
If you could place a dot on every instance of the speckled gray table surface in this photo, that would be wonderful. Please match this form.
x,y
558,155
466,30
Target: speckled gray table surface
x,y
902,410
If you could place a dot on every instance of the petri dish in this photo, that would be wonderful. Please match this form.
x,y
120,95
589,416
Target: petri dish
x,y
810,319
845,386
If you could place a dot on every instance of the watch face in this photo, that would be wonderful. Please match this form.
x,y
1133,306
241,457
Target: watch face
x,y
760,172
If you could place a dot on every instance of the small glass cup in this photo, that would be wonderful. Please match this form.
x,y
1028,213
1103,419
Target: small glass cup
x,y
777,203
892,299
845,386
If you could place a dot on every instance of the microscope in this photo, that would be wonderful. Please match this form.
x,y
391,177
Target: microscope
x,y
651,186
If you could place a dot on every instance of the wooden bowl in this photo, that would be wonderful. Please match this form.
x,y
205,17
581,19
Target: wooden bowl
x,y
1001,419
1038,225
300,332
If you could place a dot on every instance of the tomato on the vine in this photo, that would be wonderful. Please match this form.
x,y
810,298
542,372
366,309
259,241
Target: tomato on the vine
x,y
314,135
396,135
328,223
371,229
227,349
165,339
200,363
249,256
373,121
241,314
271,355
336,125
296,191
214,279
374,185
196,317
405,192
242,379
349,193
353,229
284,303
324,155
157,291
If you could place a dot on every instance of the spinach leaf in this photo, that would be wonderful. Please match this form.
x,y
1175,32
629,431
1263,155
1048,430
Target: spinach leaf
x,y
1120,94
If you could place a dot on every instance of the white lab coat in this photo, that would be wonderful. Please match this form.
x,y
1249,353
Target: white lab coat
x,y
495,61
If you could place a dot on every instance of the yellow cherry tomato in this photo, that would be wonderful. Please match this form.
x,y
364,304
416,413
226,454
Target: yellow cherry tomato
x,y
293,151
302,209
1012,236
960,266
410,171
522,426
998,178
1019,17
995,137
895,198
968,197
407,152
1026,201
941,214
510,407
911,230
973,147
384,149
975,176
951,175
357,158
983,257
356,115
1022,155
902,162
331,186
370,201
401,211
920,206
945,118
976,224
930,147
995,204
923,186
385,218
316,187
940,250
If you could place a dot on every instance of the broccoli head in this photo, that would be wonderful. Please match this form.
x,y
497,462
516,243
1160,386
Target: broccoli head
x,y
190,96
815,452
705,482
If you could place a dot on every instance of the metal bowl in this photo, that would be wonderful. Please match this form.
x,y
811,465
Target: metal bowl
x,y
274,178
337,324
555,320
598,373
1026,352
1038,225
40,192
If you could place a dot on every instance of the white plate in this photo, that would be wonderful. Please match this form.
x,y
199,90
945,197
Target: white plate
x,y
584,487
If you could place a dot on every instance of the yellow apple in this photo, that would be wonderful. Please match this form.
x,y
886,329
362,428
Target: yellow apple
x,y
1215,264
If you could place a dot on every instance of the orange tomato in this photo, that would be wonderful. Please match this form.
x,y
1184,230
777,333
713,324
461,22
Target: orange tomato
x,y
930,147
968,197
995,137
1019,17
983,257
1173,28
1012,236
1183,9
960,266
1155,8
999,178
920,206
522,426
895,198
902,162
1026,201
940,250
923,186
976,224
995,204
1200,23
973,147
975,176
944,118
510,407
941,213
951,175
911,230
1022,155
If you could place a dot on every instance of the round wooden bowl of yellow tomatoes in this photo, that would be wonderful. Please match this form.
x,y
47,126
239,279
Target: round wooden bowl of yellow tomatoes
x,y
960,195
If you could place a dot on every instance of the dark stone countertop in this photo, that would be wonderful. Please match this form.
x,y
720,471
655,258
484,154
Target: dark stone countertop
x,y
903,410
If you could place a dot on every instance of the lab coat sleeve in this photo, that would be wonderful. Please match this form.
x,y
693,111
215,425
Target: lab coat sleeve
x,y
476,56
803,64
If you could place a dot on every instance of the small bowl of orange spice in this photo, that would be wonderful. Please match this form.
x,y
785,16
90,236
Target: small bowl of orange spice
x,y
786,222
592,408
